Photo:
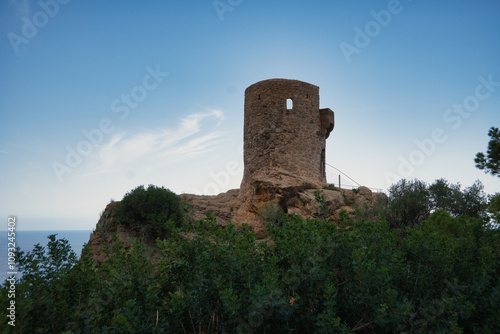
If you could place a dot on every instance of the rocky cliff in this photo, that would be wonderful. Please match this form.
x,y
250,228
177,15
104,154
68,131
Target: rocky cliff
x,y
282,192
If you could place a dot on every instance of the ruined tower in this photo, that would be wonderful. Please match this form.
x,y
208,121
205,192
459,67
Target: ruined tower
x,y
285,131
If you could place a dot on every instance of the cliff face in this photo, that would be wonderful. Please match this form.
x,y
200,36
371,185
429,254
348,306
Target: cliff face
x,y
103,234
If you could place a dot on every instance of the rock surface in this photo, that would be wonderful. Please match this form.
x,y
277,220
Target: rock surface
x,y
222,205
103,234
282,191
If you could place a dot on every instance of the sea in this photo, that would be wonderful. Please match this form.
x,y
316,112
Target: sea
x,y
26,240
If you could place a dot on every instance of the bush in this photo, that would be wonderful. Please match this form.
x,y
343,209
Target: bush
x,y
314,277
149,210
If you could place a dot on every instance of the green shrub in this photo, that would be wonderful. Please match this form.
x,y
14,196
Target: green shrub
x,y
312,276
149,210
46,293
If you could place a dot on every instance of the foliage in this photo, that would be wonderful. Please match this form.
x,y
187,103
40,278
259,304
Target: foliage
x,y
490,162
446,196
462,290
322,208
124,294
474,201
148,210
59,294
46,293
357,274
271,212
494,208
314,277
409,203
470,202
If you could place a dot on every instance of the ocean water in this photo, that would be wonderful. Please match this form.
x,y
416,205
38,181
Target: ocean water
x,y
26,240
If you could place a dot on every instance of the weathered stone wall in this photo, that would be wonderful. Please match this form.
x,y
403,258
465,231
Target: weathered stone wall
x,y
281,139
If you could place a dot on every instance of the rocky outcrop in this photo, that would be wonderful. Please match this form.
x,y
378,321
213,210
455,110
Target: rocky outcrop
x,y
103,234
280,191
222,205
283,191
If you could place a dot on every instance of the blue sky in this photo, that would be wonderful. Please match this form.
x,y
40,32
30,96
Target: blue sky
x,y
98,97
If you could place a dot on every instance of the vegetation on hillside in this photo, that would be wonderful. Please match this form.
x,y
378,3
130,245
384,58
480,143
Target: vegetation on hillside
x,y
148,209
425,261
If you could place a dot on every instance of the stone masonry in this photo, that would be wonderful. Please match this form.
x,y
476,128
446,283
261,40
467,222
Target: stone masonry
x,y
285,138
284,145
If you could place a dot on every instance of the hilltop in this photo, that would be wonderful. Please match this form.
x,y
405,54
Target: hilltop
x,y
269,199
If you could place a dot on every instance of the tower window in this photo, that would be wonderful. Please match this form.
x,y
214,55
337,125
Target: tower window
x,y
289,103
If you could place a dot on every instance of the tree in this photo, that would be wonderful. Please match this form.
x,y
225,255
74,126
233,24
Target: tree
x,y
470,202
409,203
474,201
490,162
494,209
45,294
446,196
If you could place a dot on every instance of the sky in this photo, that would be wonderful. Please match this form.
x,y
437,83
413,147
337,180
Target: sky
x,y
99,97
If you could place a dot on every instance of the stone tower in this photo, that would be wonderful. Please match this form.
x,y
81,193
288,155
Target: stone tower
x,y
285,131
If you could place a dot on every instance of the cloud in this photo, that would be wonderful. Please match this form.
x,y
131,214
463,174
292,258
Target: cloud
x,y
195,146
150,149
192,123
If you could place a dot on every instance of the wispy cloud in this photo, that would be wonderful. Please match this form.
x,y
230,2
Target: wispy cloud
x,y
195,146
153,148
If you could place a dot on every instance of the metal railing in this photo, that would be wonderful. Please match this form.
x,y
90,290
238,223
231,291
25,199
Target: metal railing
x,y
379,190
